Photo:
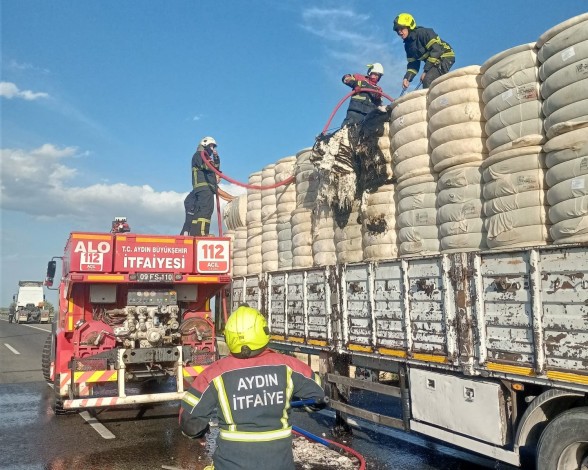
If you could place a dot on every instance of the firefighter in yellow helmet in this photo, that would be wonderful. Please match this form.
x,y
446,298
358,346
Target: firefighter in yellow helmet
x,y
422,44
250,392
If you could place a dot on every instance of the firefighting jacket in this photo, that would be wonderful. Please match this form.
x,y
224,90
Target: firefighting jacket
x,y
202,176
423,44
363,102
252,397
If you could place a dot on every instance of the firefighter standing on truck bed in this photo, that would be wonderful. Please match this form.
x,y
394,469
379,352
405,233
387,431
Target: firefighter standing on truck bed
x,y
199,203
422,44
251,389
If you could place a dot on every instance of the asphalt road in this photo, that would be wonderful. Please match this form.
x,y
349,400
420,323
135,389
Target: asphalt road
x,y
148,437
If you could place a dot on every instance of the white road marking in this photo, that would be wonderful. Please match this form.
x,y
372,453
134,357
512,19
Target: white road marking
x,y
37,328
31,326
97,425
11,348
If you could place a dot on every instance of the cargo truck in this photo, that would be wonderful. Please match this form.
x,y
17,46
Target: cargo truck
x,y
487,350
29,300
133,323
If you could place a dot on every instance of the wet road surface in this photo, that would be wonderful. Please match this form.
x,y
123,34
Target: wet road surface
x,y
148,437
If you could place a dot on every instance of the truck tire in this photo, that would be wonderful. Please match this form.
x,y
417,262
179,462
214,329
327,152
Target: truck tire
x,y
46,359
564,442
58,408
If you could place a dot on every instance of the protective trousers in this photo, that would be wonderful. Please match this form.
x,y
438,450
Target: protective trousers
x,y
440,69
199,206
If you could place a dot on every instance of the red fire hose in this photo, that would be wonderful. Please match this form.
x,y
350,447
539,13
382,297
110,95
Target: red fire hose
x,y
351,93
220,234
328,443
207,162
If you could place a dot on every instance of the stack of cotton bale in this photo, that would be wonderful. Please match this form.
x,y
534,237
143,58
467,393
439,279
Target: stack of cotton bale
x,y
235,219
324,250
378,217
460,209
514,198
254,225
512,105
307,188
235,213
269,219
457,141
416,180
408,137
348,234
418,231
563,53
285,204
514,190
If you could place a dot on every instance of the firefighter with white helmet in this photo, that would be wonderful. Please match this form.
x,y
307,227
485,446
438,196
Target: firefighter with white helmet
x,y
422,44
250,392
364,102
199,203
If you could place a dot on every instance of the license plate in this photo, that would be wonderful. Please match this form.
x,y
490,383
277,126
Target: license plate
x,y
155,277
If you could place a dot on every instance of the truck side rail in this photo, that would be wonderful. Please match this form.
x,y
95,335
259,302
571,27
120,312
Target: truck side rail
x,y
516,314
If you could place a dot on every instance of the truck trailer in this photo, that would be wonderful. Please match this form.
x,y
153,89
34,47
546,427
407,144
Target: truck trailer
x,y
487,350
133,310
441,245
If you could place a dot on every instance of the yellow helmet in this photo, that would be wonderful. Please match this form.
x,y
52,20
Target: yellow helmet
x,y
246,332
404,20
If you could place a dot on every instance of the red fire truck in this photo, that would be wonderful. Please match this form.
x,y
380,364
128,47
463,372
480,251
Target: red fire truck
x,y
133,309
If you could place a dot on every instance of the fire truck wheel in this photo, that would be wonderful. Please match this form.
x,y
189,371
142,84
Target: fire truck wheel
x,y
46,360
58,408
564,442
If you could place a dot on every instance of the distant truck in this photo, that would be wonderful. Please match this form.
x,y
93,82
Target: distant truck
x,y
29,302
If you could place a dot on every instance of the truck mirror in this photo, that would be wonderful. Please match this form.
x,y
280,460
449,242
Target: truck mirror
x,y
51,267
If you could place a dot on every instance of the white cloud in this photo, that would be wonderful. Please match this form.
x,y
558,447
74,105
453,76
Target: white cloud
x,y
327,23
40,183
10,90
24,66
352,40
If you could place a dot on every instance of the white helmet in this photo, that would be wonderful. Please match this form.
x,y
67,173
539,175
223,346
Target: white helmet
x,y
207,141
375,68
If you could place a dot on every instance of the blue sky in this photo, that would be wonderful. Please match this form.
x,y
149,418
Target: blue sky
x,y
103,102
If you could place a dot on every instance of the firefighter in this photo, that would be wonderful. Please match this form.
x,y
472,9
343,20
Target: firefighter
x,y
361,104
199,203
422,44
250,392
120,225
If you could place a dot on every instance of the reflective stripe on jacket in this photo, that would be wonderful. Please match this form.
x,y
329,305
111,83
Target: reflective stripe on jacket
x,y
252,397
202,176
423,44
365,101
